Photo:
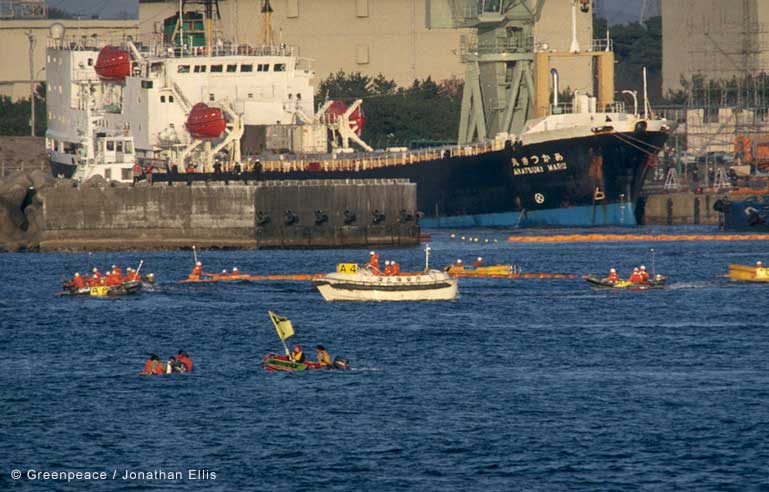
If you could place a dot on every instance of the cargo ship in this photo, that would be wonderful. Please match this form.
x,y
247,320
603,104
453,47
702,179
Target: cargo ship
x,y
187,105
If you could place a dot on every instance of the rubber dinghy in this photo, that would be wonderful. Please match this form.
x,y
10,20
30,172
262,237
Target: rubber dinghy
x,y
284,363
658,282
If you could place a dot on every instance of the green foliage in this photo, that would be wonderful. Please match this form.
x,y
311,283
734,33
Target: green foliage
x,y
426,110
15,115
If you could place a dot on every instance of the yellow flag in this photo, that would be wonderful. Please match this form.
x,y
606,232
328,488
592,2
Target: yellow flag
x,y
282,325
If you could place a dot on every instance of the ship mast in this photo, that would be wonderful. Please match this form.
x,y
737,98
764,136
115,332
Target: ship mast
x,y
266,22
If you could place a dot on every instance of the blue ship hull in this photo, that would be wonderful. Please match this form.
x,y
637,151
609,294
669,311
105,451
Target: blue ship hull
x,y
609,215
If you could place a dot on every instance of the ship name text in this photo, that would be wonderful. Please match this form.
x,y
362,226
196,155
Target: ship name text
x,y
537,164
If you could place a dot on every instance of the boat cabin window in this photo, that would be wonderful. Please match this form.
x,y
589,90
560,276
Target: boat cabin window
x,y
119,145
162,99
126,174
280,67
263,67
129,148
232,68
183,69
170,99
250,95
108,173
90,62
211,97
247,68
216,68
200,68
110,145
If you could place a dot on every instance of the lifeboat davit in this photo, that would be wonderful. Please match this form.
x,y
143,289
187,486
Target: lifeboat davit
x,y
113,64
205,122
357,117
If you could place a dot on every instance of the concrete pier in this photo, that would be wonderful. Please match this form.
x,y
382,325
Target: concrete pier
x,y
98,215
681,208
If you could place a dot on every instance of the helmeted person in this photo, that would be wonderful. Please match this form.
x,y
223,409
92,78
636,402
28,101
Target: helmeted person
x,y
759,264
154,366
373,261
643,274
635,277
395,267
477,262
78,281
224,272
612,275
117,271
322,355
297,355
387,269
197,270
235,271
184,358
458,264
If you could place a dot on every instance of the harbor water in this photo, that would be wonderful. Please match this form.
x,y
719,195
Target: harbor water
x,y
517,385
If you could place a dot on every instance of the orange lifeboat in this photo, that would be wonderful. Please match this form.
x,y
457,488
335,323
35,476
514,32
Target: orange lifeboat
x,y
205,122
113,64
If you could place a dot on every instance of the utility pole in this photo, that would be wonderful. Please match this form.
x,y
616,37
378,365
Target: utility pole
x,y
32,84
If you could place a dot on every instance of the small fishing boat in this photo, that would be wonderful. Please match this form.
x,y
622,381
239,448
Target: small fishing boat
x,y
351,283
657,282
746,273
284,363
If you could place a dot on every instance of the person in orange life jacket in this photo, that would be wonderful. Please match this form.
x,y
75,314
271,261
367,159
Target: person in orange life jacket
x,y
612,275
154,366
458,264
373,262
117,271
635,277
137,171
224,272
396,268
388,268
112,279
643,274
477,262
235,271
185,360
297,355
322,355
78,281
759,264
197,270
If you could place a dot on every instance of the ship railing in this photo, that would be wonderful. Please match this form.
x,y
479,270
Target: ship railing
x,y
157,45
603,44
470,47
377,160
568,108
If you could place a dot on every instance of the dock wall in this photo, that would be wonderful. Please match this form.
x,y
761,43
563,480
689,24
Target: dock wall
x,y
276,214
681,208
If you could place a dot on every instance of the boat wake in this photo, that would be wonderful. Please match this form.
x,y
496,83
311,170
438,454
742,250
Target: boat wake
x,y
690,285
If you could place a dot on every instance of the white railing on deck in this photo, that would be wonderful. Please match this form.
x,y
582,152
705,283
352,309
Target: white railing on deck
x,y
374,160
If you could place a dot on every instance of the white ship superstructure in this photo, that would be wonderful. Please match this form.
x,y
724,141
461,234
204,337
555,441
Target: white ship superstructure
x,y
113,102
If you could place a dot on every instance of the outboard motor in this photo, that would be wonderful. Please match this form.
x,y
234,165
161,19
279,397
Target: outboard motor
x,y
340,363
290,218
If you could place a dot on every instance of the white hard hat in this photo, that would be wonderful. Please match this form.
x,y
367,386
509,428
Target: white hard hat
x,y
199,264
387,262
234,269
479,258
643,267
372,253
613,271
224,271
635,269
77,274
459,261
95,269
759,263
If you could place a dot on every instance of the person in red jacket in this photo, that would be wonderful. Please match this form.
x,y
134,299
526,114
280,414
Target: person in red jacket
x,y
197,271
612,275
395,267
78,281
154,366
643,274
185,359
477,262
373,262
635,277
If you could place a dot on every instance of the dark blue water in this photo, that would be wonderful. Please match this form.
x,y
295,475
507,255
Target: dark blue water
x,y
518,385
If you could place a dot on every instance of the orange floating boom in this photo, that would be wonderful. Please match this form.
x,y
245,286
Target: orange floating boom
x,y
585,238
